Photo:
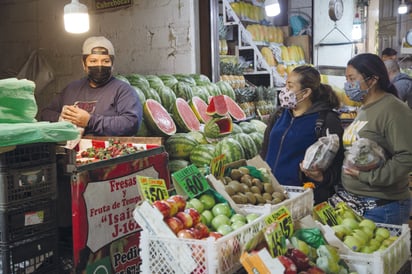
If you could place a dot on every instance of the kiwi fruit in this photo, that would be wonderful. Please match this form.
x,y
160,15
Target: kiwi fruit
x,y
259,198
229,190
255,189
246,179
276,200
268,187
259,184
250,198
235,174
237,199
267,196
244,170
278,195
243,198
235,185
244,188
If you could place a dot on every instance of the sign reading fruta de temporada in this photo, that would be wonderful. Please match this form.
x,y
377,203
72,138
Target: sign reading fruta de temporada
x,y
105,234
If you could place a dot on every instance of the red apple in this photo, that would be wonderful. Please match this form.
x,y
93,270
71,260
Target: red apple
x,y
163,207
197,233
180,200
174,208
315,270
185,218
215,235
299,258
204,230
185,233
174,223
194,214
290,267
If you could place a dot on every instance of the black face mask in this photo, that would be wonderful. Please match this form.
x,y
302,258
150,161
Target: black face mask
x,y
99,75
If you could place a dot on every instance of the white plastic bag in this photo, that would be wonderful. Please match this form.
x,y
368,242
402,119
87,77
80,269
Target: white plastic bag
x,y
364,155
320,155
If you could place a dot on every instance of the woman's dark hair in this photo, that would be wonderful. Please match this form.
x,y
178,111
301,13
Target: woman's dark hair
x,y
371,66
310,78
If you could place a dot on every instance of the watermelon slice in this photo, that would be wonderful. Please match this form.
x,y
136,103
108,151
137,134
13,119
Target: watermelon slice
x,y
199,108
217,106
234,109
184,116
218,127
158,119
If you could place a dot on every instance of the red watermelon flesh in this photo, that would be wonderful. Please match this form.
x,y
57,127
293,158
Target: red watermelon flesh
x,y
199,107
157,118
217,106
187,120
234,109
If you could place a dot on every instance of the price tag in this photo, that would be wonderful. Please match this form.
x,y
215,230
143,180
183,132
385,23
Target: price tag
x,y
217,166
326,214
283,217
275,239
191,180
152,189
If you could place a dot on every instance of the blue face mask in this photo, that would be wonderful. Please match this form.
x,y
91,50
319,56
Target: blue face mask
x,y
354,92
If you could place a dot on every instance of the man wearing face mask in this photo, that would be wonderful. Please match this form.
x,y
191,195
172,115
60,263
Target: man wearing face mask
x,y
99,103
380,190
306,111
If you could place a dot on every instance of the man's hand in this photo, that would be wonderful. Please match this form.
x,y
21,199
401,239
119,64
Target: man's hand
x,y
75,115
314,174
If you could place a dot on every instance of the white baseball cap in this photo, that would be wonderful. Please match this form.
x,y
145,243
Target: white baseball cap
x,y
97,42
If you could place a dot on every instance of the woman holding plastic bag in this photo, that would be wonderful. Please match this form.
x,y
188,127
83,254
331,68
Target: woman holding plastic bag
x,y
305,114
378,145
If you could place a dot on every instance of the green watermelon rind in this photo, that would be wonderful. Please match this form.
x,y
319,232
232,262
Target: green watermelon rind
x,y
231,148
183,90
167,96
248,145
202,155
179,146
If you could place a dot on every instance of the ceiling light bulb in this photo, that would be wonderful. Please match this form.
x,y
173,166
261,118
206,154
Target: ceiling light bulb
x,y
272,7
76,17
403,8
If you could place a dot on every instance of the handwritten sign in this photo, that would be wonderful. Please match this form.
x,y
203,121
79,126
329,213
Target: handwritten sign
x,y
152,189
106,5
191,181
275,239
217,166
326,214
283,217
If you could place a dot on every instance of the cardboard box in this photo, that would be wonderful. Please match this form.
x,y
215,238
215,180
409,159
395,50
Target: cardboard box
x,y
261,262
305,42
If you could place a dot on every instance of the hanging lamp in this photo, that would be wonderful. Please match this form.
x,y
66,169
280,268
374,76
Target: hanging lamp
x,y
272,7
403,8
76,17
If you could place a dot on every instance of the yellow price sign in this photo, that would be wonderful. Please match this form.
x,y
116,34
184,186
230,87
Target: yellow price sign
x,y
217,166
326,214
152,189
283,217
275,239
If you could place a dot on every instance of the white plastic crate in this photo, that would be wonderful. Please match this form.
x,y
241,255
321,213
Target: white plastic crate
x,y
299,203
166,254
388,261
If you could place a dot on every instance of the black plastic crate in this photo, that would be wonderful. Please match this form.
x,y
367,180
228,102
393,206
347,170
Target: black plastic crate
x,y
29,155
37,254
27,219
20,184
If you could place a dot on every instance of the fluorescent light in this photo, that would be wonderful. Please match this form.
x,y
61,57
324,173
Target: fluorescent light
x,y
76,17
357,28
272,7
403,8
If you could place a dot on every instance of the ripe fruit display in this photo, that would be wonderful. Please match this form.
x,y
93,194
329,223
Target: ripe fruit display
x,y
158,119
184,117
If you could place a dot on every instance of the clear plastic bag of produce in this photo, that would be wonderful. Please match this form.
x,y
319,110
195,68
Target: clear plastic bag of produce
x,y
364,155
320,155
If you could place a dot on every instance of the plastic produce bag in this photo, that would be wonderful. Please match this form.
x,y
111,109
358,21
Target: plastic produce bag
x,y
17,102
320,155
364,155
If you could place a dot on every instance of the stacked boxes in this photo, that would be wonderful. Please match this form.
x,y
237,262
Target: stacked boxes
x,y
28,212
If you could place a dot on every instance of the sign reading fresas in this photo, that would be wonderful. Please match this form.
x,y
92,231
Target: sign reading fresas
x,y
105,5
104,195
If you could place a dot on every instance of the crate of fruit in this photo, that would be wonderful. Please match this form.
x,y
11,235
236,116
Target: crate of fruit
x,y
38,254
389,258
22,184
167,252
27,219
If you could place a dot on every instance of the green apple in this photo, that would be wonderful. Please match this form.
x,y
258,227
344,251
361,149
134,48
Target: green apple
x,y
207,200
382,232
349,214
207,215
361,234
219,220
353,243
238,217
224,229
222,209
368,223
237,224
367,249
341,231
196,204
387,242
368,231
251,217
374,243
350,223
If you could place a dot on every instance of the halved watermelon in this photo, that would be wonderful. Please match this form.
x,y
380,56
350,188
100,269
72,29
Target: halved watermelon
x,y
184,117
217,106
218,127
234,109
199,108
158,119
